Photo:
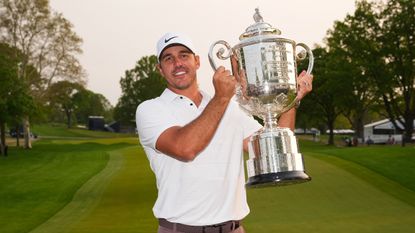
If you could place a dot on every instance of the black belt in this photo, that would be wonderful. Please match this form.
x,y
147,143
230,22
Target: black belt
x,y
224,227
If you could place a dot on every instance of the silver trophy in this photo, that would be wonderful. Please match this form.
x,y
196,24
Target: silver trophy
x,y
265,67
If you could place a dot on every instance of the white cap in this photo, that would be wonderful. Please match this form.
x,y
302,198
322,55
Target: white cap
x,y
172,38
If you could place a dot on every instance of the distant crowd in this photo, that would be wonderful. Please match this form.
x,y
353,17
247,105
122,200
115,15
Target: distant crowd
x,y
353,141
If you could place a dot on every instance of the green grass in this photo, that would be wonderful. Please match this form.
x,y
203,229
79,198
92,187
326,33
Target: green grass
x,y
106,185
394,162
39,182
352,190
127,201
48,131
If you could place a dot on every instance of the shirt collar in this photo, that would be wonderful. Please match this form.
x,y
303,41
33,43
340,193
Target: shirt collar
x,y
169,95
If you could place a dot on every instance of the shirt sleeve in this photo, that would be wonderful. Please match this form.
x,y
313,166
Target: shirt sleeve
x,y
152,119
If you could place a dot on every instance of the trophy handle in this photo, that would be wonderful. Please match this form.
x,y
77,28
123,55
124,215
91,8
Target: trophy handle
x,y
220,53
301,56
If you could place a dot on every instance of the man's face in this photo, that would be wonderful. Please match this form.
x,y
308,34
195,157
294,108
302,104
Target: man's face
x,y
178,65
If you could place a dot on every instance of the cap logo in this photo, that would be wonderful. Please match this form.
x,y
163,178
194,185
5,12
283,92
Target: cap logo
x,y
171,38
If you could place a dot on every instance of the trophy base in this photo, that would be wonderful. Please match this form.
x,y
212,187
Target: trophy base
x,y
274,159
277,179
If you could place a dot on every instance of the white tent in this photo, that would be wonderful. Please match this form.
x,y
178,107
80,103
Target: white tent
x,y
382,131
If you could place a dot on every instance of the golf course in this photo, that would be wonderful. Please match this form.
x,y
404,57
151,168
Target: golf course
x,y
75,181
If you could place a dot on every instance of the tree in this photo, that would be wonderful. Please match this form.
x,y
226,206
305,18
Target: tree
x,y
324,101
15,101
8,73
379,41
309,115
360,95
141,83
88,103
46,41
398,48
61,97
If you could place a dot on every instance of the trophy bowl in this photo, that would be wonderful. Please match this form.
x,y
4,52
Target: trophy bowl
x,y
265,67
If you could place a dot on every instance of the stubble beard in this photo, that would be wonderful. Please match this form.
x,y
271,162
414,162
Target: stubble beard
x,y
183,86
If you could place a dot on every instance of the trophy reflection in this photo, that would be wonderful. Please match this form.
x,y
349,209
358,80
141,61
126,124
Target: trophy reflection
x,y
265,67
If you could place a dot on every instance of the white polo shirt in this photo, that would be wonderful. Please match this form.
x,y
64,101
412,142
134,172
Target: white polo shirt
x,y
210,189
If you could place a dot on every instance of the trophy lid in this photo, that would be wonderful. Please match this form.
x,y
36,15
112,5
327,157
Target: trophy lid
x,y
259,28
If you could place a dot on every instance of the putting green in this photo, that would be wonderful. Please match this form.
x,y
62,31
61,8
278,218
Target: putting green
x,y
340,198
336,200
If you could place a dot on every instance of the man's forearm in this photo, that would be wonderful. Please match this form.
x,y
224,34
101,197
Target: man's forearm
x,y
287,119
186,142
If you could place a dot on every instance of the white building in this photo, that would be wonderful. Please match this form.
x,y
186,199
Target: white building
x,y
382,131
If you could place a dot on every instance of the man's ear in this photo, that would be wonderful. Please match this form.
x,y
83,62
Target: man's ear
x,y
158,66
197,58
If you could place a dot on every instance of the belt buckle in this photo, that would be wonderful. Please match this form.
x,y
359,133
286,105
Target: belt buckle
x,y
213,228
219,228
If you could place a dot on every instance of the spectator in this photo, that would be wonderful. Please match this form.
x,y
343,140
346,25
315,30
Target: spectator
x,y
369,141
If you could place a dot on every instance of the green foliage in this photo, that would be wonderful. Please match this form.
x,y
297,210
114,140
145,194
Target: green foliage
x,y
398,46
61,98
45,38
377,44
8,74
88,103
141,83
48,47
15,101
71,102
323,102
353,40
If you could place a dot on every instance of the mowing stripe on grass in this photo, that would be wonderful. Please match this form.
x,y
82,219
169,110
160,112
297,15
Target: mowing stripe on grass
x,y
373,178
127,201
342,197
84,200
336,200
36,184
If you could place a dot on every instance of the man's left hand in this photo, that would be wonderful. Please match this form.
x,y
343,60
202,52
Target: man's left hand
x,y
304,84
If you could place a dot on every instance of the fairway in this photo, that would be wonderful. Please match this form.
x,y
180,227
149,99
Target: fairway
x,y
119,191
334,201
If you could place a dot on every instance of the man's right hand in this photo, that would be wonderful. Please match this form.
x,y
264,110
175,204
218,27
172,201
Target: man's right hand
x,y
224,83
186,142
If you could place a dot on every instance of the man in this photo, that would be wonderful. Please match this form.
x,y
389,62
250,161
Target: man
x,y
195,144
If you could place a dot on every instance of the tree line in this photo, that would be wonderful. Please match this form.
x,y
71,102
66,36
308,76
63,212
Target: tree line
x,y
366,69
41,78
